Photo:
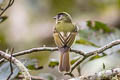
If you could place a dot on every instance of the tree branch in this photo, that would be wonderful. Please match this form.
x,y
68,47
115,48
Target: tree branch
x,y
84,54
32,77
22,68
10,3
44,49
102,49
98,51
113,74
29,51
11,67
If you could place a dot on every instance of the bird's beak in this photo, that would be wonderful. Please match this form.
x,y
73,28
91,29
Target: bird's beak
x,y
54,17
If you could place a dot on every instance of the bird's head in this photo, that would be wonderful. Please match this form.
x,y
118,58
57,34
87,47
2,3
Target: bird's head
x,y
63,17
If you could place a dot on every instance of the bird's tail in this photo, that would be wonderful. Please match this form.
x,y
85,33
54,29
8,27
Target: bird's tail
x,y
64,64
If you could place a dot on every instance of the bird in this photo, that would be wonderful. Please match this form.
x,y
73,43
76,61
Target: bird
x,y
64,34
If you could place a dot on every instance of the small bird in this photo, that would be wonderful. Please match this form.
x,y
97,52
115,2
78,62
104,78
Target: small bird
x,y
64,36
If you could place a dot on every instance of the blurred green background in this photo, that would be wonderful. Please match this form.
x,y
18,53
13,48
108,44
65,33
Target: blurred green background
x,y
30,24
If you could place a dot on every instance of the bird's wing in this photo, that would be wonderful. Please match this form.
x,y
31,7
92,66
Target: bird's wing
x,y
67,40
59,40
70,39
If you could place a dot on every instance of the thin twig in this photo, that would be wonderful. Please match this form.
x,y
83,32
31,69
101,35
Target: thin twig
x,y
22,68
70,74
11,68
79,70
78,52
77,63
2,60
10,3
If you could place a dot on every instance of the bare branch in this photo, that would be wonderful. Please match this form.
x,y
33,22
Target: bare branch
x,y
11,68
98,51
77,63
35,50
44,49
113,74
22,68
33,77
10,3
85,55
29,51
78,52
2,60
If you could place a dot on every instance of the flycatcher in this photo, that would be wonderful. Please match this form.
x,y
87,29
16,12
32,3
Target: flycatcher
x,y
64,36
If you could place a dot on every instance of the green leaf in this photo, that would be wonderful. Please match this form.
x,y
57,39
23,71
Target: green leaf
x,y
97,57
85,42
3,18
53,63
98,26
31,67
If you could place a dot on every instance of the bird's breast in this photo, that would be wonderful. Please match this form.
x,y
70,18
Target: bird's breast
x,y
65,27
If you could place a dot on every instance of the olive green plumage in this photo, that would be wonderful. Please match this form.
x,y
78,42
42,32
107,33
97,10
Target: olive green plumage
x,y
64,36
65,27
